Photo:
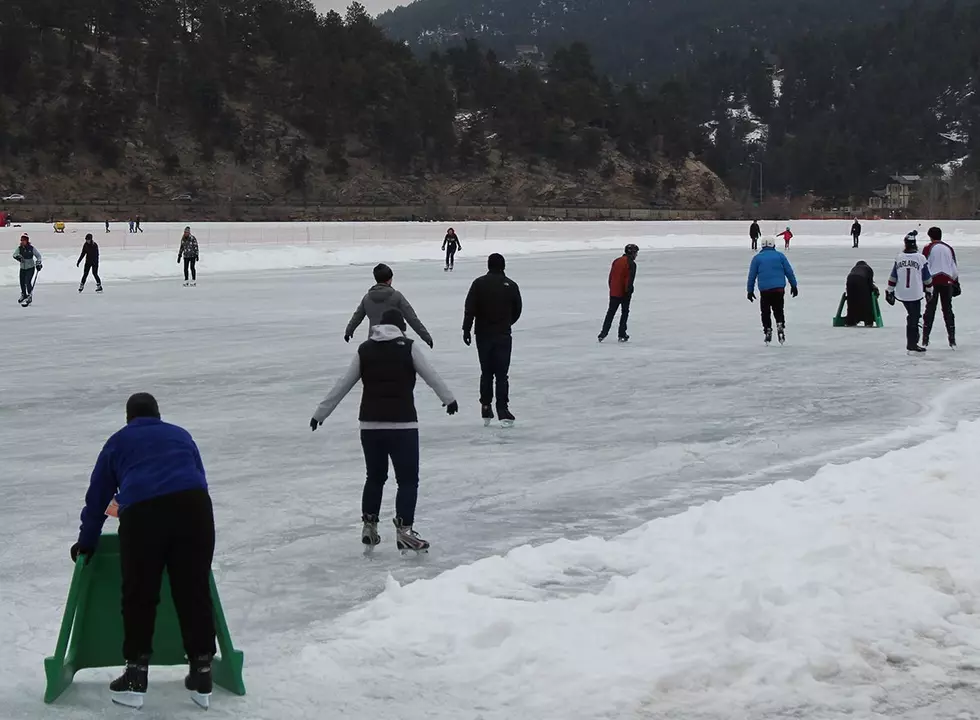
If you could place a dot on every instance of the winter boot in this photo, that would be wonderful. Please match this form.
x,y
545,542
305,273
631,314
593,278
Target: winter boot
x,y
198,681
130,687
506,416
369,533
408,539
781,332
487,414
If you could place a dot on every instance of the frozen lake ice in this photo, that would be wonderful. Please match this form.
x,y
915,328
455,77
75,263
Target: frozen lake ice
x,y
609,438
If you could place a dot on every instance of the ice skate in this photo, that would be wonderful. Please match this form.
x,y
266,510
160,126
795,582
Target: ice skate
x,y
408,539
369,532
198,681
925,340
506,417
129,688
913,349
81,287
601,337
193,283
28,300
781,333
768,334
446,269
487,414
624,338
951,335
187,283
98,288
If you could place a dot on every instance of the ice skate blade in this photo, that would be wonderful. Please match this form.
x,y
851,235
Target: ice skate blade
x,y
128,699
407,551
202,700
506,423
487,421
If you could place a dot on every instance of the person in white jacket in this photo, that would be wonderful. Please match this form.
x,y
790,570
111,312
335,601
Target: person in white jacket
x,y
387,365
945,280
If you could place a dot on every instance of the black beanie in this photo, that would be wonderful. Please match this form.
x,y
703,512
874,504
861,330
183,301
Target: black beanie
x,y
142,405
496,262
382,273
88,236
935,233
393,317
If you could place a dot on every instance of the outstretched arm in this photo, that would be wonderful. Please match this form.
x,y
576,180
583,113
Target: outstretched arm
x,y
339,391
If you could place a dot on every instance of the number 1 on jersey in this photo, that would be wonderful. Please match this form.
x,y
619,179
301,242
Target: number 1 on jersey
x,y
908,277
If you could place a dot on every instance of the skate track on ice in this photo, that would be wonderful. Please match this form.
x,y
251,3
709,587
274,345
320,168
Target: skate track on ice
x,y
851,595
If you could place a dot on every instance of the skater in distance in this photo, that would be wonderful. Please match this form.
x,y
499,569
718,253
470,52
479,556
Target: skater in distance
x,y
154,471
861,291
190,252
451,244
909,282
622,275
29,258
90,253
755,232
387,365
946,285
856,233
786,235
494,304
770,269
381,297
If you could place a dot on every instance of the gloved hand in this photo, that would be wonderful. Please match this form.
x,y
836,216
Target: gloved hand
x,y
78,263
889,297
957,290
751,297
314,424
178,261
38,267
77,550
346,338
794,291
452,408
467,338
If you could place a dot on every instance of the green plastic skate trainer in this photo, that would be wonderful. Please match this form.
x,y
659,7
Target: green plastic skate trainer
x,y
92,633
839,318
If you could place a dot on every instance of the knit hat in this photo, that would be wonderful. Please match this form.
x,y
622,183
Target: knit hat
x,y
393,317
142,405
496,262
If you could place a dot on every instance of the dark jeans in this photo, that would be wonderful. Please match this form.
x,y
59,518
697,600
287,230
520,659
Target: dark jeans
x,y
494,352
755,243
450,257
25,280
617,303
175,532
94,267
857,239
771,303
943,293
190,264
402,446
914,310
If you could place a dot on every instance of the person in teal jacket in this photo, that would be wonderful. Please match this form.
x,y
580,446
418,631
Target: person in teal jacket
x,y
770,270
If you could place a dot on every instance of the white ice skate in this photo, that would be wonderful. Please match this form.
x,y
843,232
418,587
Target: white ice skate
x,y
369,532
409,540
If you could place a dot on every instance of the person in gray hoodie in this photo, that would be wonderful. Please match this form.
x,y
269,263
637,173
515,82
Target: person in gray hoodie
x,y
383,297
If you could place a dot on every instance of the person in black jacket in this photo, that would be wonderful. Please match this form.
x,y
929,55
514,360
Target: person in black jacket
x,y
755,232
90,252
856,232
451,244
860,290
494,304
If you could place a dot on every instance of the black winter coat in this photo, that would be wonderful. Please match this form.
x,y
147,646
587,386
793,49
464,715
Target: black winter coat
x,y
494,303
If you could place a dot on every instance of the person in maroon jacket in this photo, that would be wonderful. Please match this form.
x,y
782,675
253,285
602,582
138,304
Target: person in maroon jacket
x,y
945,280
622,274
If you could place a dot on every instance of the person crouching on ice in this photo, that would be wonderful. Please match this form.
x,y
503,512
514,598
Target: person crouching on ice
x,y
387,365
771,270
154,471
861,290
909,282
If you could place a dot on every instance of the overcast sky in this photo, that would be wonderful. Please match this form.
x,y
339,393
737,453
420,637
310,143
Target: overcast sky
x,y
373,6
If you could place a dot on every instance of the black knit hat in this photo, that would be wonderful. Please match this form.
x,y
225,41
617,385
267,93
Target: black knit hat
x,y
382,273
935,233
496,262
393,317
142,405
88,236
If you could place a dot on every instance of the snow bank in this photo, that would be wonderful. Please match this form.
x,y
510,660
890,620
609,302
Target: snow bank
x,y
831,598
257,247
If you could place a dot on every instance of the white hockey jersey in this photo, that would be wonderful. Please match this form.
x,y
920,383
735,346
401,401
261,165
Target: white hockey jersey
x,y
910,277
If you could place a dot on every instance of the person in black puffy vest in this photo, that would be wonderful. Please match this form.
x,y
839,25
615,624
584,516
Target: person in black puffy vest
x,y
387,365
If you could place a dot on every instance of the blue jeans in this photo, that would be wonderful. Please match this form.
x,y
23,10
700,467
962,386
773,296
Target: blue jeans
x,y
402,446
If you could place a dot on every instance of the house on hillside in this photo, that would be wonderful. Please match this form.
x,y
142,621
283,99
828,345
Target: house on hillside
x,y
528,56
896,194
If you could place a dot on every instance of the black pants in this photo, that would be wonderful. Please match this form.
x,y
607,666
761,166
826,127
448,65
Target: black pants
x,y
402,446
175,532
857,239
617,303
914,310
94,268
755,243
860,302
494,352
450,257
943,293
190,263
26,275
771,302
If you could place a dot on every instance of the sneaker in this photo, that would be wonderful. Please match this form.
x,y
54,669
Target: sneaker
x,y
408,539
487,414
506,417
369,533
199,682
129,688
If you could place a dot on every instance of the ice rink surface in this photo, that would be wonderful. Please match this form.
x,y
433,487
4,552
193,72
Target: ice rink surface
x,y
609,438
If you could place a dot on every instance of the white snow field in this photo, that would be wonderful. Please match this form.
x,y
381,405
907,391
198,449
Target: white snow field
x,y
689,526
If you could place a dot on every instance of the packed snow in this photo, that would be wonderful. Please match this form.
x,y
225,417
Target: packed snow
x,y
690,526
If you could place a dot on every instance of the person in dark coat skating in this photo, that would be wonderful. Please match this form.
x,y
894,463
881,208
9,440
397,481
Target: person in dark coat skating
x,y
90,253
861,290
451,244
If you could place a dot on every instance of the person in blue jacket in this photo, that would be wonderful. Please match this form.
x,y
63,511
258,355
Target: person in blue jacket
x,y
154,472
770,269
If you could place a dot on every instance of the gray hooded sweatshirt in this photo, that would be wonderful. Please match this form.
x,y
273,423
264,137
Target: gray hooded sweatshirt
x,y
384,297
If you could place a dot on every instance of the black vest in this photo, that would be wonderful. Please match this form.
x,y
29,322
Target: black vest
x,y
388,376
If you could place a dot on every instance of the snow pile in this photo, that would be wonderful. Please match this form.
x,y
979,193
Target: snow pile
x,y
846,595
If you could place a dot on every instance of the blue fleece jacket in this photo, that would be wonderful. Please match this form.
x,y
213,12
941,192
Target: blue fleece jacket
x,y
146,459
771,268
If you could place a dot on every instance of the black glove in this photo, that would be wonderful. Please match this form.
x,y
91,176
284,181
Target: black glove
x,y
957,290
314,424
467,338
78,263
346,338
77,550
889,297
178,261
751,297
452,408
38,267
794,291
